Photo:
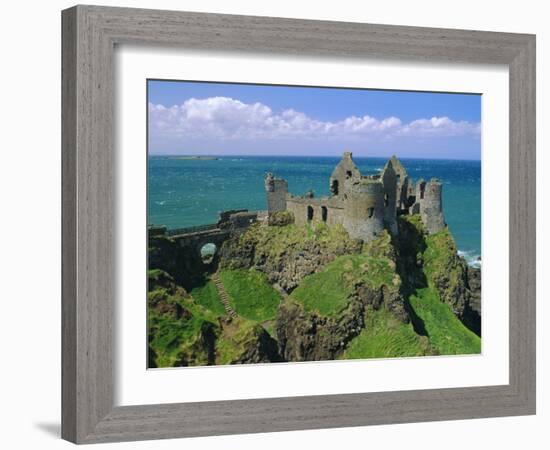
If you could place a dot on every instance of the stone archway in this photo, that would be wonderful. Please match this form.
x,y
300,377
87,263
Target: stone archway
x,y
208,252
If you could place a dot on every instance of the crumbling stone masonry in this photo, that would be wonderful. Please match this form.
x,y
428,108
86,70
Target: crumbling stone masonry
x,y
277,190
364,205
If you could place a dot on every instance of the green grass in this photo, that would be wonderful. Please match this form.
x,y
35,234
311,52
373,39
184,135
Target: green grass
x,y
446,333
440,254
325,292
381,247
415,220
250,294
384,336
276,241
328,292
207,296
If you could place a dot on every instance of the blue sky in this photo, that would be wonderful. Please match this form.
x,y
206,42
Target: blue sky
x,y
238,119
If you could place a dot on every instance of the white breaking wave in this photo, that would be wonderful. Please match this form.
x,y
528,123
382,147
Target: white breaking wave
x,y
472,258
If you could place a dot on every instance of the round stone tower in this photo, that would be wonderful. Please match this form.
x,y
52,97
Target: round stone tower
x,y
364,209
431,208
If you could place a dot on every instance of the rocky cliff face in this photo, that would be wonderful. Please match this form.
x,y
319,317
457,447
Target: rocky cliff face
x,y
310,336
183,333
472,314
286,254
305,336
246,343
474,283
432,260
308,331
179,334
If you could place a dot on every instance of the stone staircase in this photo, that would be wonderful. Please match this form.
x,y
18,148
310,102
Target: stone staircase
x,y
280,290
223,295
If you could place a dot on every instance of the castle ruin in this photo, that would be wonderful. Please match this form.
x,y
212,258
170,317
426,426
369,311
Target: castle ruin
x,y
364,205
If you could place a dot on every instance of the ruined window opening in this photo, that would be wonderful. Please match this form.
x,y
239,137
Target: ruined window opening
x,y
324,213
348,174
334,187
370,212
422,187
309,213
386,201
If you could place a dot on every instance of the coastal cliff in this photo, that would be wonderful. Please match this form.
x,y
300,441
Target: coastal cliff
x,y
287,292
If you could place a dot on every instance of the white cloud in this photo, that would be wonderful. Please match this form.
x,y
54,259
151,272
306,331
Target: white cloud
x,y
440,126
227,118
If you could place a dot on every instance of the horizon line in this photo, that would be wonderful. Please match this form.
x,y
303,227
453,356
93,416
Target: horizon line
x,y
207,155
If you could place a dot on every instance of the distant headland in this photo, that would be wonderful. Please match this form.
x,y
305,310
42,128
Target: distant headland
x,y
199,157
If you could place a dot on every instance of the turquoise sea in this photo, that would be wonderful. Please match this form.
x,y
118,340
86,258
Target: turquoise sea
x,y
188,192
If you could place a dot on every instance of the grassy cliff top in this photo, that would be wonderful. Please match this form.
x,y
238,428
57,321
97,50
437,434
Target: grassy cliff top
x,y
328,292
275,241
386,337
250,295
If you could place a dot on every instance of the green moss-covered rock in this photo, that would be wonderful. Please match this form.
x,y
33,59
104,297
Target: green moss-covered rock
x,y
431,261
180,332
308,336
286,254
280,218
446,271
411,245
382,247
328,291
326,310
243,341
182,336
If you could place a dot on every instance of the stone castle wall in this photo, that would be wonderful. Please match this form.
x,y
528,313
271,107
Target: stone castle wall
x,y
315,210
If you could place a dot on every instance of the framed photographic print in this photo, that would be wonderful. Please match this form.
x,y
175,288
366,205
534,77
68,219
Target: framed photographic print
x,y
277,224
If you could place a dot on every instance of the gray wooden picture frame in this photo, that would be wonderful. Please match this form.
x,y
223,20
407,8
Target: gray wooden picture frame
x,y
89,36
